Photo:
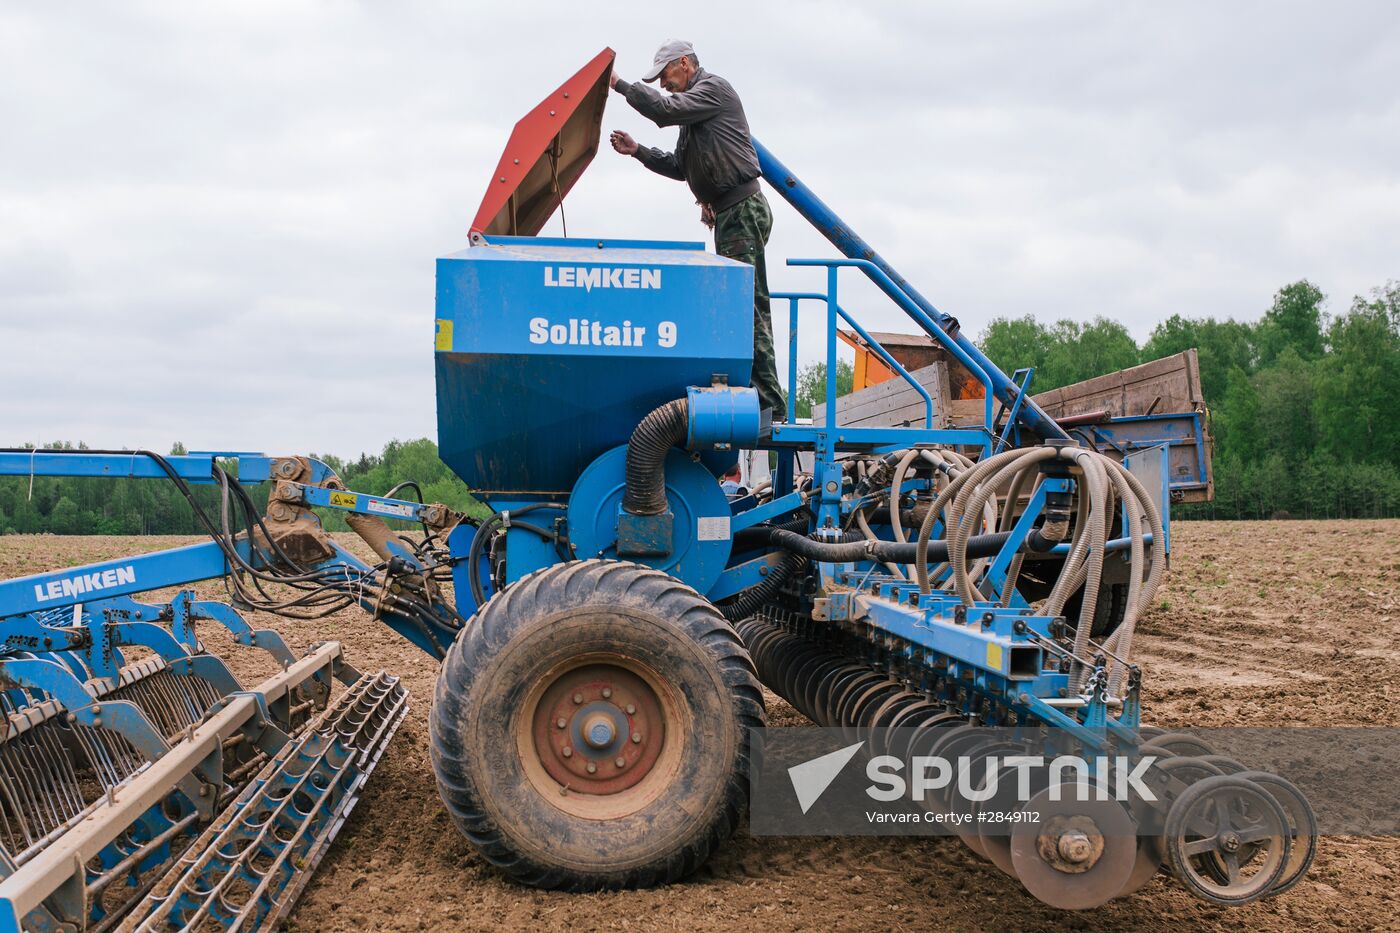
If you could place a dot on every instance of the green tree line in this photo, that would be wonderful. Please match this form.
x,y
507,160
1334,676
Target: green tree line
x,y
1302,403
1302,408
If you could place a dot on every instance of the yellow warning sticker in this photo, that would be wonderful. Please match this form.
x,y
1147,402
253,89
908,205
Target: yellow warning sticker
x,y
343,500
994,656
443,339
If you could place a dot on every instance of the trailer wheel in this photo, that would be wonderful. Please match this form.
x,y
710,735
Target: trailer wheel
x,y
590,728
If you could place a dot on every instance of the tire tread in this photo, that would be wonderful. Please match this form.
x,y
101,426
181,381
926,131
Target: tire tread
x,y
514,609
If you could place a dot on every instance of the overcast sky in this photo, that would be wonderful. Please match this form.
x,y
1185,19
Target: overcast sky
x,y
218,220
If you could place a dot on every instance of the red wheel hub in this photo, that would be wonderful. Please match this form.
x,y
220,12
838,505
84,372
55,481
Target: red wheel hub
x,y
598,729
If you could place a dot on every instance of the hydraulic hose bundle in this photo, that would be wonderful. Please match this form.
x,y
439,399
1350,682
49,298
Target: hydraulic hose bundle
x,y
1102,484
499,522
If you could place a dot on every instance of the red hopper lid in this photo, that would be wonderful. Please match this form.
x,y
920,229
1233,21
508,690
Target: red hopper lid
x,y
547,152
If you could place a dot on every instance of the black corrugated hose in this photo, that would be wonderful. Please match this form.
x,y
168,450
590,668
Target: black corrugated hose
x,y
652,439
752,599
854,548
746,539
850,547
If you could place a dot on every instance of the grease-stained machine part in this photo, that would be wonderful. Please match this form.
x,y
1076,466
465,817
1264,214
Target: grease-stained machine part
x,y
1079,854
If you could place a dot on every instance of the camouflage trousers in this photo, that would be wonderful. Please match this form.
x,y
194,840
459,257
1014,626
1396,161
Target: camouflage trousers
x,y
741,232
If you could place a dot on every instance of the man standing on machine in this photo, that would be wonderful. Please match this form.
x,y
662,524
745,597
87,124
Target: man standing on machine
x,y
716,158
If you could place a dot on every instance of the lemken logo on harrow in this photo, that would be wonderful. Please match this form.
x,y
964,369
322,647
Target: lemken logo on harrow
x,y
591,277
84,583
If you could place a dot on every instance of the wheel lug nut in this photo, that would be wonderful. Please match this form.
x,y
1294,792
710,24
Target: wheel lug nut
x,y
607,692
631,710
578,698
592,767
636,738
567,752
561,722
621,762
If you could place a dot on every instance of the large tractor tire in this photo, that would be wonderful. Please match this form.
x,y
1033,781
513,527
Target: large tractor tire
x,y
590,728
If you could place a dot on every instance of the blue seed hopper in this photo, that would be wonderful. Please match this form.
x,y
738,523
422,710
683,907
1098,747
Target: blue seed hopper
x,y
572,342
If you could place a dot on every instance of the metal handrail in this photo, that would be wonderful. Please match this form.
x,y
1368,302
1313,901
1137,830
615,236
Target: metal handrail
x,y
793,298
910,308
938,324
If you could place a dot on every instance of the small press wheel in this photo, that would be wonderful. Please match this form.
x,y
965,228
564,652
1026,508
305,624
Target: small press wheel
x,y
1227,840
1182,743
1302,825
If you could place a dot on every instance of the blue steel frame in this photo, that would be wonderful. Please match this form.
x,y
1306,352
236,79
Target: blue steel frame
x,y
193,563
784,478
975,655
1011,434
793,299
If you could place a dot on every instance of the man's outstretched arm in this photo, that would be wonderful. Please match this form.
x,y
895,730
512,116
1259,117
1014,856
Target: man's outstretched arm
x,y
693,106
662,163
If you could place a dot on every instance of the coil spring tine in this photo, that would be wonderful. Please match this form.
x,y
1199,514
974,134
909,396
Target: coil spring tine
x,y
16,797
183,708
101,748
94,759
116,749
60,767
99,753
124,750
51,812
206,695
182,698
193,703
31,810
62,751
160,702
138,693
51,771
13,841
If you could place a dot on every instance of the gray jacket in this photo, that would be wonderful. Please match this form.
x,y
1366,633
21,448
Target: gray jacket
x,y
714,155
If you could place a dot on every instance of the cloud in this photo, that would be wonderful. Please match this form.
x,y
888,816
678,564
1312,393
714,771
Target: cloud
x,y
218,221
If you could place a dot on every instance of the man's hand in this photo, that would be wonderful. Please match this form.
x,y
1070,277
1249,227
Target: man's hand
x,y
613,78
707,216
623,143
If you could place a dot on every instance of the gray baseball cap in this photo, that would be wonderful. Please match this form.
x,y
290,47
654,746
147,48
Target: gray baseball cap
x,y
672,50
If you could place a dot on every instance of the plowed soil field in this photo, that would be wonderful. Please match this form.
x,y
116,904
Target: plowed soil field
x,y
1269,623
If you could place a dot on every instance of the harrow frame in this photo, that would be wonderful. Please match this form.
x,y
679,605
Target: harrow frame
x,y
172,739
